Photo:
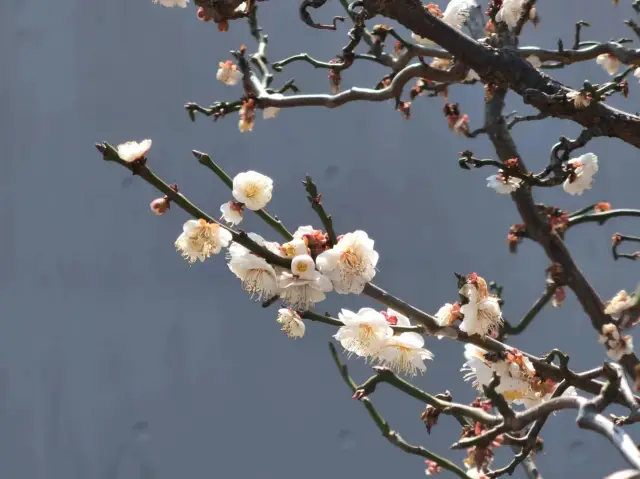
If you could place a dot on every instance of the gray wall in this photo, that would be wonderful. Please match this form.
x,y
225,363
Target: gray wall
x,y
104,326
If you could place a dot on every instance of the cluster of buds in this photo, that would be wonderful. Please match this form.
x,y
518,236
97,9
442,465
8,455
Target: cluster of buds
x,y
515,235
458,122
432,468
316,241
430,417
247,115
485,404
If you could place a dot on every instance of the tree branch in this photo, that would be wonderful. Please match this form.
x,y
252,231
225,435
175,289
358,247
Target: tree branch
x,y
392,436
531,314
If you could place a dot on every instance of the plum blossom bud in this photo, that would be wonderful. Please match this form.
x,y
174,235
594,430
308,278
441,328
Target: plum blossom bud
x,y
405,108
430,417
432,468
602,207
559,295
335,78
160,206
232,212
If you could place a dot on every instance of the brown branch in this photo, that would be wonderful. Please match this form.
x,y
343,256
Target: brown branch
x,y
504,66
601,218
617,239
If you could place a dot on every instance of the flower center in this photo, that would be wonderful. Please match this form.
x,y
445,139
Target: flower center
x,y
302,267
251,190
350,258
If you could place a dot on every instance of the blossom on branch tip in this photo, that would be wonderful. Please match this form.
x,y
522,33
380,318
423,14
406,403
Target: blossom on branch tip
x,y
258,277
581,171
228,73
609,62
247,114
200,239
363,332
616,344
133,151
172,3
301,293
351,263
291,323
232,212
481,313
580,99
254,190
503,185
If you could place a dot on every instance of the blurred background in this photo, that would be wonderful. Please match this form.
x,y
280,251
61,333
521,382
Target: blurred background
x,y
118,360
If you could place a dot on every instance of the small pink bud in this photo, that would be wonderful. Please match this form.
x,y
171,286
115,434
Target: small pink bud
x,y
159,206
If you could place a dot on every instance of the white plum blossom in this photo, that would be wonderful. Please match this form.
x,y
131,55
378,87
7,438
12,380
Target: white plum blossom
x,y
351,263
303,266
132,150
481,314
363,332
618,304
636,73
580,99
252,189
609,62
271,112
502,185
447,315
232,212
228,73
457,12
291,323
200,239
534,60
293,248
301,293
172,3
582,170
510,12
258,277
303,230
404,353
616,344
518,381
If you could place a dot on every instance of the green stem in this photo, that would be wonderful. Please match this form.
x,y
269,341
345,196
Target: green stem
x,y
315,199
272,221
392,436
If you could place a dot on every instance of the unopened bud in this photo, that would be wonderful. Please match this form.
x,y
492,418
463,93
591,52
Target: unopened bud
x,y
159,206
